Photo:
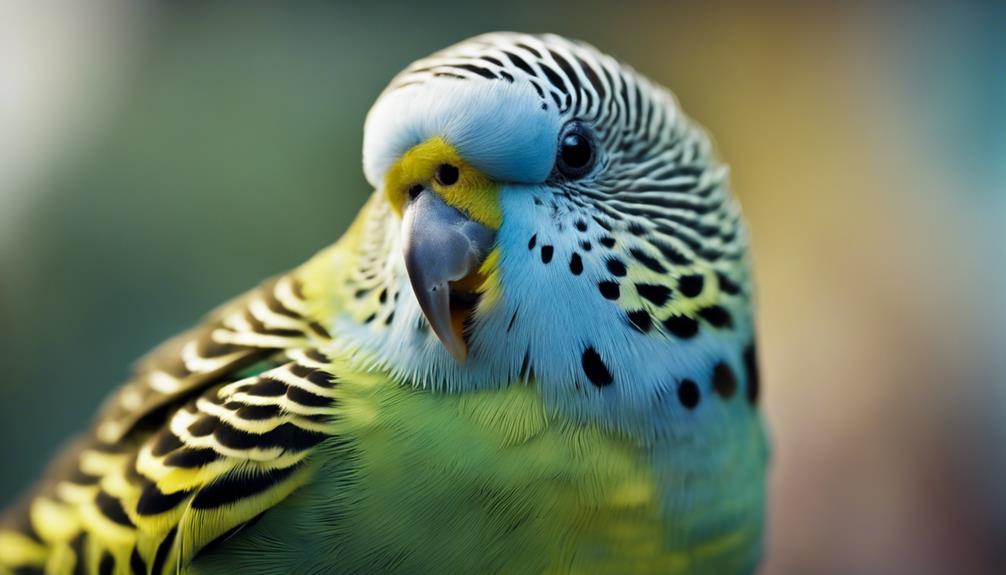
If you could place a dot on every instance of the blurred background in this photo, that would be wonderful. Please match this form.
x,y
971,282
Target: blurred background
x,y
157,158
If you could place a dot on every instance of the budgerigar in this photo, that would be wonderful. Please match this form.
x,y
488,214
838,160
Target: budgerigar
x,y
533,352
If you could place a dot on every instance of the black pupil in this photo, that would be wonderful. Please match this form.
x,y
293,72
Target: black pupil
x,y
447,174
576,151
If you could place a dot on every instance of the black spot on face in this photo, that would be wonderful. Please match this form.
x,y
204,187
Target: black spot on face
x,y
688,393
607,241
655,293
640,320
531,242
726,285
576,264
724,380
691,285
581,226
597,372
682,327
616,267
586,246
751,370
717,316
609,290
546,254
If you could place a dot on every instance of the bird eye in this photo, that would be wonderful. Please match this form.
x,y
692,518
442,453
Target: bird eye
x,y
576,151
447,174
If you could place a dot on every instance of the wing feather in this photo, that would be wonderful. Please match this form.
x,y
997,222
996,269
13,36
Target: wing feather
x,y
212,430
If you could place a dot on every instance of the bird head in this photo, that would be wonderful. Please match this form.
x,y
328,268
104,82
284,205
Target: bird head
x,y
543,211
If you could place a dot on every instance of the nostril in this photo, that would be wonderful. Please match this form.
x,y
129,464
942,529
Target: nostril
x,y
447,174
414,191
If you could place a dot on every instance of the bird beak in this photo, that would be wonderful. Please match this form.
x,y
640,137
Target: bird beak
x,y
443,252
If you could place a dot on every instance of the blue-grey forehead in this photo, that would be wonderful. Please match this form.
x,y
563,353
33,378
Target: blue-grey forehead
x,y
499,128
500,99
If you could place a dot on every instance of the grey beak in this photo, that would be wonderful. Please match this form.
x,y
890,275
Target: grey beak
x,y
441,245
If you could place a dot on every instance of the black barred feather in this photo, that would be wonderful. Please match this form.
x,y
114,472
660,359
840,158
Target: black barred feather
x,y
227,394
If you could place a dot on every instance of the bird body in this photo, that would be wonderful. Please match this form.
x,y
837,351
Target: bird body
x,y
533,352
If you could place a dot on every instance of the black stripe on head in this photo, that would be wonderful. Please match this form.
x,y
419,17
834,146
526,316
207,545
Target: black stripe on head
x,y
593,78
234,487
652,263
670,252
571,75
478,70
554,79
536,53
519,62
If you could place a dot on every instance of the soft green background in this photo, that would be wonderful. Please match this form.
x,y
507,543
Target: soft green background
x,y
161,157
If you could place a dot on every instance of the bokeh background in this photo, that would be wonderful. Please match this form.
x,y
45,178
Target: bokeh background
x,y
159,157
